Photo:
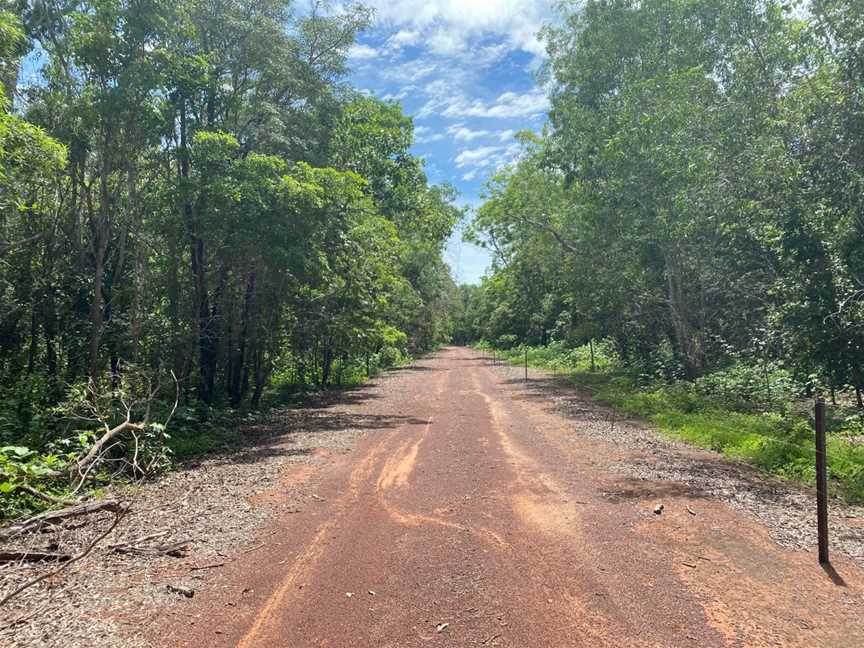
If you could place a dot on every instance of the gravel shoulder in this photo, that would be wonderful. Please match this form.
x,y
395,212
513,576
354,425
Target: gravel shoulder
x,y
211,510
787,509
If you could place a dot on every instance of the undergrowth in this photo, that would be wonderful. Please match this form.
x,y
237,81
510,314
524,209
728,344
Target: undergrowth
x,y
39,443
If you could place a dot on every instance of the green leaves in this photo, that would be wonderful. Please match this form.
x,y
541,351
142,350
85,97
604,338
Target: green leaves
x,y
698,189
190,185
19,452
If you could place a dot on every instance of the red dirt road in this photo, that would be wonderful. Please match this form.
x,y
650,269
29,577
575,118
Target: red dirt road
x,y
470,515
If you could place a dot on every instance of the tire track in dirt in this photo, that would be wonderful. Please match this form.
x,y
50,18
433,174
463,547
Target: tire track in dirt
x,y
479,520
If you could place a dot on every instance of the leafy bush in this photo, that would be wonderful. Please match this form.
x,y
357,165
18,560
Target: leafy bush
x,y
390,356
782,444
24,413
748,387
22,467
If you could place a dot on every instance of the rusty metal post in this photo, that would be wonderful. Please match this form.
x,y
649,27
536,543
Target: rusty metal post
x,y
821,483
526,364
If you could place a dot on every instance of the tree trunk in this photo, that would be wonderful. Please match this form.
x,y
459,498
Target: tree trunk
x,y
209,337
34,332
240,381
262,374
202,320
326,365
137,303
97,303
100,230
688,344
50,334
856,379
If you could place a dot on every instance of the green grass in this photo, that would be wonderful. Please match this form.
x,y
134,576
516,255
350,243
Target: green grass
x,y
778,443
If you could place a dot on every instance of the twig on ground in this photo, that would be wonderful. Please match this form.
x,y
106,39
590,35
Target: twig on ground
x,y
32,556
118,517
137,541
54,517
210,566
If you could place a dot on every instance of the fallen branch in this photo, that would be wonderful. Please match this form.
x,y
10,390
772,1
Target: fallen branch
x,y
210,566
118,516
188,592
45,496
255,548
95,452
32,556
54,517
175,550
137,541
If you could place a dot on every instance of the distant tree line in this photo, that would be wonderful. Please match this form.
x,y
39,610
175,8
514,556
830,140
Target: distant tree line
x,y
698,195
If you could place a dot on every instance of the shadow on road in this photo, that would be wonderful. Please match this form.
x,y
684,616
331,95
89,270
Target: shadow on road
x,y
836,578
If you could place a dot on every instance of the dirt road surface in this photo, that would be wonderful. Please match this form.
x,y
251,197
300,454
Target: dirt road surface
x,y
472,515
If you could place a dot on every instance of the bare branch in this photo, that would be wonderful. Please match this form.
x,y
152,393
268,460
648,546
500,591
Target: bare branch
x,y
570,247
118,517
45,496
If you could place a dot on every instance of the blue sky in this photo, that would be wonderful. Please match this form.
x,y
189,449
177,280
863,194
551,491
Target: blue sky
x,y
465,71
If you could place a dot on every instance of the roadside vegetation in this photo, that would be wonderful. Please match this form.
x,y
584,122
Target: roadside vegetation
x,y
199,219
695,202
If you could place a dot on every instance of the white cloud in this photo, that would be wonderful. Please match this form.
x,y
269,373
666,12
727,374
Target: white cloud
x,y
400,94
403,38
486,159
461,133
479,157
507,106
360,52
510,105
410,71
449,25
485,56
459,66
429,139
425,135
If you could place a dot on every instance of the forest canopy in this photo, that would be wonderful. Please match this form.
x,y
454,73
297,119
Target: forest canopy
x,y
191,196
696,197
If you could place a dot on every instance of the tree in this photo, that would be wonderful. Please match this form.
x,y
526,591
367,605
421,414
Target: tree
x,y
697,188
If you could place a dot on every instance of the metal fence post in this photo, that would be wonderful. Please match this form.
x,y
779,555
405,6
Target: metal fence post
x,y
526,364
821,483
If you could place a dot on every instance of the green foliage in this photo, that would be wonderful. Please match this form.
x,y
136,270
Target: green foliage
x,y
199,429
191,187
558,356
695,199
20,466
750,387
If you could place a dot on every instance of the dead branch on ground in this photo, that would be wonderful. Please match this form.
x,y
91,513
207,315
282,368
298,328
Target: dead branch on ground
x,y
118,517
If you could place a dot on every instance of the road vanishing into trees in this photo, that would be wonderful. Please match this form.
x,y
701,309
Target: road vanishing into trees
x,y
474,514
